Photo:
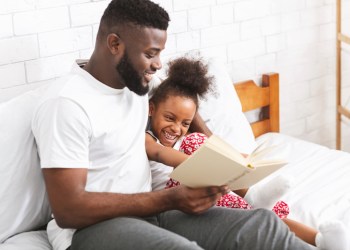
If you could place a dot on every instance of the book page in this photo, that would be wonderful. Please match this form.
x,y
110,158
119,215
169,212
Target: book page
x,y
255,176
265,155
207,167
267,162
226,149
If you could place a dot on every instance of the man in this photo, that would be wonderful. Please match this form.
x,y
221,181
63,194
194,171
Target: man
x,y
90,127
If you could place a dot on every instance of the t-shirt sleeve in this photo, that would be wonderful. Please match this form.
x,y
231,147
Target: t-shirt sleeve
x,y
62,132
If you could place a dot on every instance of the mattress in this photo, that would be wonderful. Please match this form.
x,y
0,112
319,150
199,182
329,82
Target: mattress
x,y
320,190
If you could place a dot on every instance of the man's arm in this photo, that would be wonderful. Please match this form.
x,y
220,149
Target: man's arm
x,y
198,125
74,207
166,155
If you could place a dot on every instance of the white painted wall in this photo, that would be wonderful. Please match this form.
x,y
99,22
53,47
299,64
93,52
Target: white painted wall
x,y
39,40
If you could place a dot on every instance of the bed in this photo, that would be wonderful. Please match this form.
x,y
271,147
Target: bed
x,y
321,175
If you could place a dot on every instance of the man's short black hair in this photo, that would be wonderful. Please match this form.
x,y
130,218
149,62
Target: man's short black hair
x,y
144,13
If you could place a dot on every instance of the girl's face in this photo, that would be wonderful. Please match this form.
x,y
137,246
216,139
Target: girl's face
x,y
171,119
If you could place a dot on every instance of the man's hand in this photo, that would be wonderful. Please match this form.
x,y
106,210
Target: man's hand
x,y
196,200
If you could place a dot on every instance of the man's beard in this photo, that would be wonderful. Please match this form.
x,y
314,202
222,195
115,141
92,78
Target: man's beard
x,y
131,78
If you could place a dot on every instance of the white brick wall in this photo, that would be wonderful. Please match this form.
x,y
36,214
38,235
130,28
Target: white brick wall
x,y
63,41
13,74
18,49
6,26
49,67
199,18
38,21
87,13
39,39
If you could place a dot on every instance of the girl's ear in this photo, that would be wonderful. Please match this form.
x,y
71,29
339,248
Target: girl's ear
x,y
151,108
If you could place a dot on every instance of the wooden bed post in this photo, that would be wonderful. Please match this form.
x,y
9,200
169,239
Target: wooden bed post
x,y
265,98
341,110
338,75
272,80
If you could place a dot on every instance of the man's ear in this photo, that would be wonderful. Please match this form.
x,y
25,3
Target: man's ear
x,y
114,43
151,108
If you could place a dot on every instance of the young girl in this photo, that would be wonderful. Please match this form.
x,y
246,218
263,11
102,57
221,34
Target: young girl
x,y
171,110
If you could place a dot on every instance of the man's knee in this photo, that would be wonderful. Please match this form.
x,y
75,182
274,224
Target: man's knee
x,y
267,221
267,215
264,212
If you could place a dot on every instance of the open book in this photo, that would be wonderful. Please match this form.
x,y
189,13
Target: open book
x,y
217,163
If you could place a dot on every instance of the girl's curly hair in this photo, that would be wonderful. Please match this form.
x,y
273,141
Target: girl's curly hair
x,y
187,77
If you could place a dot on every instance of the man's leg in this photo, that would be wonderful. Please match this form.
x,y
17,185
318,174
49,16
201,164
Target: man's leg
x,y
129,234
225,228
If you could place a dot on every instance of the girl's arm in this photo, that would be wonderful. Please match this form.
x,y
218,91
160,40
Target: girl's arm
x,y
165,155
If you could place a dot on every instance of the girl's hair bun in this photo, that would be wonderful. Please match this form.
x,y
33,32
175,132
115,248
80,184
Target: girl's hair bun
x,y
191,74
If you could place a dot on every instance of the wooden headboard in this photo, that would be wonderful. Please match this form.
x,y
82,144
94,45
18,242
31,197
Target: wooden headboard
x,y
265,98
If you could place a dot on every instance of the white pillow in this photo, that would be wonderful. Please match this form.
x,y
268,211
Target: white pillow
x,y
24,204
35,240
222,110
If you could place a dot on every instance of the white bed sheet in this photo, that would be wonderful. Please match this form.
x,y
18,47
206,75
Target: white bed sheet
x,y
321,189
35,240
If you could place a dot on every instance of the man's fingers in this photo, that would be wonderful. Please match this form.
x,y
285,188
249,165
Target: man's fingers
x,y
198,200
224,190
206,203
216,190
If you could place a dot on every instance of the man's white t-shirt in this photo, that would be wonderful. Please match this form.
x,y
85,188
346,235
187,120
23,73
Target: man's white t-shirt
x,y
83,123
